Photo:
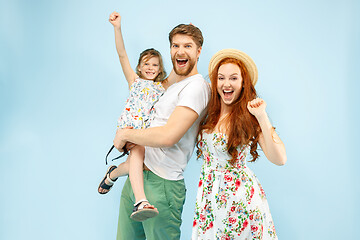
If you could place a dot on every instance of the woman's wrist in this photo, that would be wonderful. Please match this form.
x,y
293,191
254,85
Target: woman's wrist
x,y
262,117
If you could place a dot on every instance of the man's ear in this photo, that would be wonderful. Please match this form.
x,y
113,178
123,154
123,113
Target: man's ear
x,y
198,52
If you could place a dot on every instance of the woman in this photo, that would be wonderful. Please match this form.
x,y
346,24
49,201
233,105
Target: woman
x,y
231,203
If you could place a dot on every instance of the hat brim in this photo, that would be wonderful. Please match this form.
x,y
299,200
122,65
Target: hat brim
x,y
237,54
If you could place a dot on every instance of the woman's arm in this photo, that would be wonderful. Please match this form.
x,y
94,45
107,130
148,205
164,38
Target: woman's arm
x,y
130,75
269,141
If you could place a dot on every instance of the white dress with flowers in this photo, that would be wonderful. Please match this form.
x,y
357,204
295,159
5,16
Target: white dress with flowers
x,y
230,203
139,106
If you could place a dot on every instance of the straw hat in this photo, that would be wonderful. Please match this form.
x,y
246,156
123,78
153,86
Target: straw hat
x,y
234,53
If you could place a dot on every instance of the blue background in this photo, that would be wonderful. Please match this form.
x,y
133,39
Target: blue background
x,y
62,89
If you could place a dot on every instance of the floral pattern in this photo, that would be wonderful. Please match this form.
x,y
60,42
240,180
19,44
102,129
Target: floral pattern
x,y
139,110
230,203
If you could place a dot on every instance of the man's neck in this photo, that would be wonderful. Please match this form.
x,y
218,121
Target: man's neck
x,y
174,78
180,78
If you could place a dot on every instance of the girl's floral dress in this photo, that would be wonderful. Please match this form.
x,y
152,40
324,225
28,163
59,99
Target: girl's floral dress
x,y
139,106
230,203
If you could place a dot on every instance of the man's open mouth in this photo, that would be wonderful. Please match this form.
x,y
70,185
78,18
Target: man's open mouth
x,y
181,62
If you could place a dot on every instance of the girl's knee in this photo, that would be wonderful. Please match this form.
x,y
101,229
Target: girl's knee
x,y
138,150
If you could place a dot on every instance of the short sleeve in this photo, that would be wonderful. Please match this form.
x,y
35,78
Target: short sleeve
x,y
195,95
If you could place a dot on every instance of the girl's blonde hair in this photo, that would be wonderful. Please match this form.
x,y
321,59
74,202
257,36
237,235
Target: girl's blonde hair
x,y
145,56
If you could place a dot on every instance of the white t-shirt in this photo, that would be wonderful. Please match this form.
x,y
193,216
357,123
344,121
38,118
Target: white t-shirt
x,y
169,163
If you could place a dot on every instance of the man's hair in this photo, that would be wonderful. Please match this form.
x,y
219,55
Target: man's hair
x,y
189,30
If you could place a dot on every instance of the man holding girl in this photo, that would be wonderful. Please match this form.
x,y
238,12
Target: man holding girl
x,y
169,142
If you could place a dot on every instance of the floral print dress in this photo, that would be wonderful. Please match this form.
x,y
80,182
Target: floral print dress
x,y
139,106
230,203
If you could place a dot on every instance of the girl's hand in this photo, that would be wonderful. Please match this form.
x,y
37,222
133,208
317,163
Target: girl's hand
x,y
257,107
115,19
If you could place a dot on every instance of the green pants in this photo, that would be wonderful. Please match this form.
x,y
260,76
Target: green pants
x,y
167,196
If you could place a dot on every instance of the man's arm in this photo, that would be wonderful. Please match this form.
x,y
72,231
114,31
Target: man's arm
x,y
179,122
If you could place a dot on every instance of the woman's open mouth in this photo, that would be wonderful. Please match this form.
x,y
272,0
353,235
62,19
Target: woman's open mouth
x,y
228,93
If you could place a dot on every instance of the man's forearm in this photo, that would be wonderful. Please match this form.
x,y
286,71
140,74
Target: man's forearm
x,y
152,137
164,136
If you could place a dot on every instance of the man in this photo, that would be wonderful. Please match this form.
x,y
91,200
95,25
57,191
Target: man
x,y
169,142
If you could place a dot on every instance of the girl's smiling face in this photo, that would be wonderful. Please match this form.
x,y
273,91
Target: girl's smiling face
x,y
229,83
149,68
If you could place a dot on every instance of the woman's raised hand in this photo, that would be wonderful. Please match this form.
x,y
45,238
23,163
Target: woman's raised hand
x,y
115,19
257,107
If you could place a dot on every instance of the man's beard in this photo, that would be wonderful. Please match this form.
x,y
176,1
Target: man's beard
x,y
183,71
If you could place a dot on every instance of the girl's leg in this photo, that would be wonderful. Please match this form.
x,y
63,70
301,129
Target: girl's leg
x,y
136,166
142,208
121,170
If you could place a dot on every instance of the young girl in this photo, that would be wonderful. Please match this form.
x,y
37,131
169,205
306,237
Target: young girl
x,y
231,203
146,86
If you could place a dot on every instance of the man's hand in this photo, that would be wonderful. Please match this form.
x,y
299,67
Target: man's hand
x,y
129,145
119,141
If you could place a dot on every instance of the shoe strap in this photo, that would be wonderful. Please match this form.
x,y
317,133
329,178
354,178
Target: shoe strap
x,y
140,201
109,179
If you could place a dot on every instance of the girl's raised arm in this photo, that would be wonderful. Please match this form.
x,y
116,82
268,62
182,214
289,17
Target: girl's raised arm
x,y
130,75
269,141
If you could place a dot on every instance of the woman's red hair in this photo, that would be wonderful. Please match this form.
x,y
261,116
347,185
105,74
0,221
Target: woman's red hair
x,y
241,126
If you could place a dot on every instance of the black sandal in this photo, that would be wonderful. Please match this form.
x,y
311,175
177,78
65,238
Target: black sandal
x,y
140,214
103,184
